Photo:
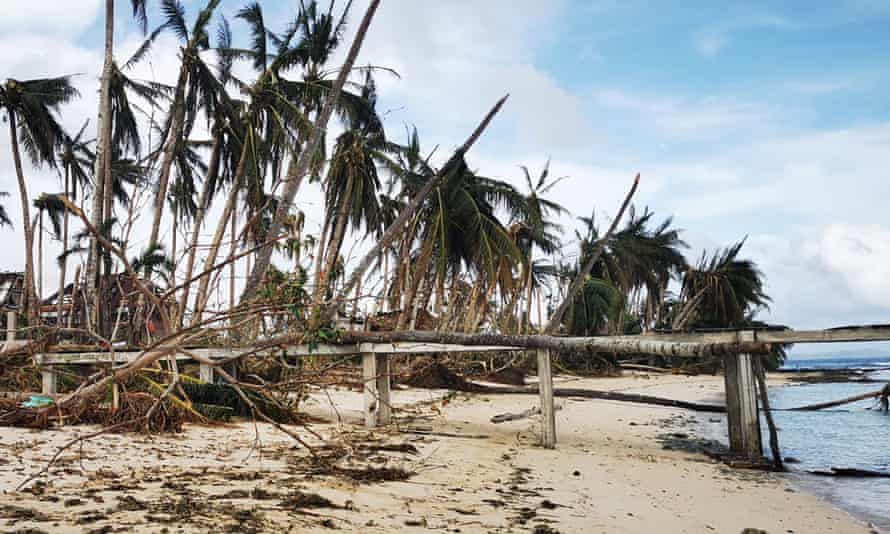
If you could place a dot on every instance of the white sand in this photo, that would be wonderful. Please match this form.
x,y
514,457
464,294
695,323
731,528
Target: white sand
x,y
625,481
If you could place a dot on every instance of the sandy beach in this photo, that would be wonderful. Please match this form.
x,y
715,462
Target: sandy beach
x,y
610,473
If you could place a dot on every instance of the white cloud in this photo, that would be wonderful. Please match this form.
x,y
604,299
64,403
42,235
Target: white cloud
x,y
690,117
860,255
709,41
47,16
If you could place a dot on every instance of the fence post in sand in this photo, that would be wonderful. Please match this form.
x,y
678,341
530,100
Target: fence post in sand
x,y
545,389
10,326
375,373
205,373
384,402
48,377
741,406
115,396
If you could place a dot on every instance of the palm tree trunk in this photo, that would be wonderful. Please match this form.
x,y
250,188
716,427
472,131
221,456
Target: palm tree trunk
x,y
526,327
64,263
232,250
169,152
210,261
384,291
332,253
30,297
304,162
320,250
103,148
203,202
173,244
40,257
420,272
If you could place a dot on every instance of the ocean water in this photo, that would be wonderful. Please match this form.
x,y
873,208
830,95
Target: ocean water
x,y
846,436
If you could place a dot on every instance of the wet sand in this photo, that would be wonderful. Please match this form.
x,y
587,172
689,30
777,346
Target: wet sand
x,y
610,473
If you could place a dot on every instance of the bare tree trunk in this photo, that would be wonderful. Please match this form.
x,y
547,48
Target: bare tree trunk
x,y
30,296
222,225
103,148
63,266
203,206
557,316
620,345
419,277
304,162
169,152
173,244
527,326
332,253
40,258
233,249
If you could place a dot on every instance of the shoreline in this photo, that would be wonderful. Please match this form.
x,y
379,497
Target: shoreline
x,y
609,473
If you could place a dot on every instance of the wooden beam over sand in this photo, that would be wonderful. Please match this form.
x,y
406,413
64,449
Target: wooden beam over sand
x,y
768,336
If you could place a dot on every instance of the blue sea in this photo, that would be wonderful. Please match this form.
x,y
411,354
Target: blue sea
x,y
846,436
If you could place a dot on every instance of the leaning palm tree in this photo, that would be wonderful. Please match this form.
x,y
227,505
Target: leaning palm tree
x,y
721,291
75,159
195,83
352,184
54,208
31,107
536,228
274,119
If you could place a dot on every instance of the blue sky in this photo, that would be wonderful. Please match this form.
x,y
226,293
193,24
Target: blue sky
x,y
762,119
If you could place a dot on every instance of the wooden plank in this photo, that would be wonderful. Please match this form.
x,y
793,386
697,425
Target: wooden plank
x,y
832,335
741,406
369,376
10,326
545,390
205,373
49,380
384,397
115,396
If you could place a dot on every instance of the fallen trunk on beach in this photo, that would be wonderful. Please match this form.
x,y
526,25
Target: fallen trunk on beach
x,y
850,472
882,394
604,395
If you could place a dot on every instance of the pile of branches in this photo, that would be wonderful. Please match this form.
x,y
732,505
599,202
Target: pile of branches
x,y
135,414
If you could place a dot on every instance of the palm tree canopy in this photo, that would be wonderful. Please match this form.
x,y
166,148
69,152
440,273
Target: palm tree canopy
x,y
35,104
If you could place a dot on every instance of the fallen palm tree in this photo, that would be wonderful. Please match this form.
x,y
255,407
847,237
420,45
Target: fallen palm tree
x,y
882,394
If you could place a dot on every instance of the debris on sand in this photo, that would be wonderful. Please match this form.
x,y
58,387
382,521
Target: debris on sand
x,y
511,376
433,374
298,500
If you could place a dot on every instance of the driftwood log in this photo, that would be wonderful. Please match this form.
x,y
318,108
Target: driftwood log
x,y
606,395
882,394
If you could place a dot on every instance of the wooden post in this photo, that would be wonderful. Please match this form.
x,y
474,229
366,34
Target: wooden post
x,y
10,326
741,406
115,396
205,373
369,374
384,400
49,379
545,389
